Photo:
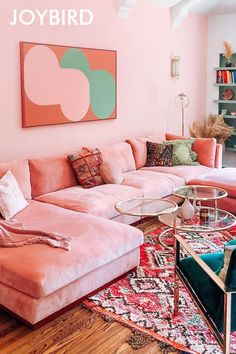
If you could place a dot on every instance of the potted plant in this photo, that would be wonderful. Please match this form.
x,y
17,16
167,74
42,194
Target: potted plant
x,y
213,127
228,52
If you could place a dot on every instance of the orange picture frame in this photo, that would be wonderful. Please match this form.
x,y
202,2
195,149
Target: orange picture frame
x,y
62,84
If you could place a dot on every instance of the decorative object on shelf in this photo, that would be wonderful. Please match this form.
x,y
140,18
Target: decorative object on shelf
x,y
228,52
62,84
233,113
224,112
182,102
186,210
175,67
228,94
213,127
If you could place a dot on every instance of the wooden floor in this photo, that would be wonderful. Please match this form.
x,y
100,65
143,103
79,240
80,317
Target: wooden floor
x,y
76,332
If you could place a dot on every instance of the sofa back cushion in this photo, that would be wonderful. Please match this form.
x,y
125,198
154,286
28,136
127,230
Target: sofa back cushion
x,y
205,149
139,147
20,170
50,174
121,154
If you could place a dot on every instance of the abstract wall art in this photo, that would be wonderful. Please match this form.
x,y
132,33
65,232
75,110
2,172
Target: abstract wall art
x,y
63,84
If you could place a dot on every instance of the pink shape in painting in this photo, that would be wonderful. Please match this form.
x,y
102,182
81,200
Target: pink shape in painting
x,y
53,85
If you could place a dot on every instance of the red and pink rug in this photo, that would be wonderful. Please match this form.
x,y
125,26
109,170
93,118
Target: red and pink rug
x,y
143,300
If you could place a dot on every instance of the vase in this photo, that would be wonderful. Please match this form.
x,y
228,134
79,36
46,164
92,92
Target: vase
x,y
186,210
228,63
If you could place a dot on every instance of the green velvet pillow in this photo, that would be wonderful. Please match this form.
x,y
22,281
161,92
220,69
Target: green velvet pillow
x,y
182,152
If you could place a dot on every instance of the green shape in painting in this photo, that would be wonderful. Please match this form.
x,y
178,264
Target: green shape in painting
x,y
102,83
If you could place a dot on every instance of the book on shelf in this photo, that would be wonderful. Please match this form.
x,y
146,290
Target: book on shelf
x,y
226,76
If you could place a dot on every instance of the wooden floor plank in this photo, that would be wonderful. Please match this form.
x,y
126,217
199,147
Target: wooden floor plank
x,y
77,332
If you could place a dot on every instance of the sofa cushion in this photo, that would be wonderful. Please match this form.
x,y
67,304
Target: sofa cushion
x,y
186,172
39,270
98,201
153,184
86,166
111,173
20,170
182,152
49,174
205,149
121,154
139,147
222,178
159,154
11,198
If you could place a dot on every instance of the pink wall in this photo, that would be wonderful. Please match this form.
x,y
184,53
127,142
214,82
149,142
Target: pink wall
x,y
146,92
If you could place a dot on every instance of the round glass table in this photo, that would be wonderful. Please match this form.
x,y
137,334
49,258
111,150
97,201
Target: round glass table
x,y
206,219
146,207
197,194
200,193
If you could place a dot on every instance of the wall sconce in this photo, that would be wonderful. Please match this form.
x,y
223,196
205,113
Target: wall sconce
x,y
175,65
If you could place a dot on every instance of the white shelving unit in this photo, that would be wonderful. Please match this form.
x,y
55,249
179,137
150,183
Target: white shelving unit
x,y
227,74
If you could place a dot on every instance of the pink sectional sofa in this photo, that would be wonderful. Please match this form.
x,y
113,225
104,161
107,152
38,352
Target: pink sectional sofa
x,y
37,281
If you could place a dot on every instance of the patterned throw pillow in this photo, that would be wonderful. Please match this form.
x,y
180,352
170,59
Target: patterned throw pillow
x,y
182,152
86,165
159,154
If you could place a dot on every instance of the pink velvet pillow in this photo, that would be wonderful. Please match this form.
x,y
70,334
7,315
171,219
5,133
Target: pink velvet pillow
x,y
111,173
121,153
11,198
205,149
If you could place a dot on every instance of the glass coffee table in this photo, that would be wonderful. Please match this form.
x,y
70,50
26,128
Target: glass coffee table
x,y
200,193
145,207
197,194
206,219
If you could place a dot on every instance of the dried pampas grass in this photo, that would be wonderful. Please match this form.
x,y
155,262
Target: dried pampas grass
x,y
213,127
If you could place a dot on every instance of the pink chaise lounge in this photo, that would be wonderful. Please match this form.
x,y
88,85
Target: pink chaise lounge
x,y
37,281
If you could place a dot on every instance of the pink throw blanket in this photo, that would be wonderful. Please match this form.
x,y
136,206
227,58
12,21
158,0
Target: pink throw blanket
x,y
12,236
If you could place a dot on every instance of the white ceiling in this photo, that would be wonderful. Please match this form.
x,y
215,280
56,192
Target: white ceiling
x,y
216,7
209,7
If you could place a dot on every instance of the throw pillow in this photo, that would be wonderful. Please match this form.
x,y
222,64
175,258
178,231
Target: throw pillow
x,y
111,173
182,152
11,198
85,165
159,154
205,149
227,273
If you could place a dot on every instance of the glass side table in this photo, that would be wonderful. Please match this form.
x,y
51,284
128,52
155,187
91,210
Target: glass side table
x,y
197,194
200,193
146,207
205,220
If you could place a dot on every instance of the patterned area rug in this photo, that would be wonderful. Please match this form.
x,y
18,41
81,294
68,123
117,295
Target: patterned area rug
x,y
143,300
